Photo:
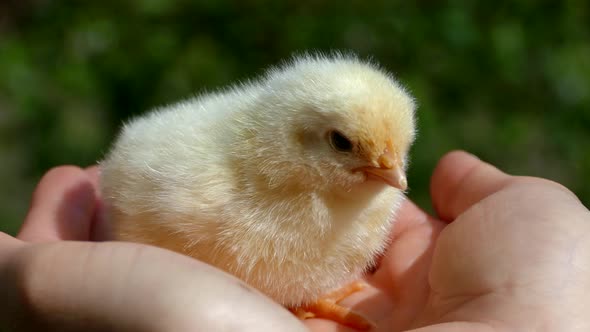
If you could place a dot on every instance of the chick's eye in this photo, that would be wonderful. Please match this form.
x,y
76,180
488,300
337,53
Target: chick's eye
x,y
340,142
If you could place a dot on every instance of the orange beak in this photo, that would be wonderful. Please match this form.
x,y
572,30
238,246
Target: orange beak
x,y
389,171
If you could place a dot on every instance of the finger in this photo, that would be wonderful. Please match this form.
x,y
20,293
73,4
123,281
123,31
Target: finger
x,y
74,286
403,274
461,180
93,173
61,208
100,229
409,220
408,217
398,288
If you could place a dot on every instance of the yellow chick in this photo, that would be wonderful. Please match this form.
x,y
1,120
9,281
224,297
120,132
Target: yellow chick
x,y
289,182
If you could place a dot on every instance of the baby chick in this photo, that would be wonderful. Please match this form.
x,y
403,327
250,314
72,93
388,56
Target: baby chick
x,y
289,182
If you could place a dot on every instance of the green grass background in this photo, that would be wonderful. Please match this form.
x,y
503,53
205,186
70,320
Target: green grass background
x,y
508,81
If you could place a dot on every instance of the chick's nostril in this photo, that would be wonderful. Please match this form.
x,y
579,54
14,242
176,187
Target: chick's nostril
x,y
386,161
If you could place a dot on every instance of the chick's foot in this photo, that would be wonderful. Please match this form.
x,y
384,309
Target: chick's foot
x,y
327,307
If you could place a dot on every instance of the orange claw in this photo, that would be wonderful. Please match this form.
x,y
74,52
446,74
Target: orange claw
x,y
327,307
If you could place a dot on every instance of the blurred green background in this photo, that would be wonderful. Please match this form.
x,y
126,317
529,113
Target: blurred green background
x,y
509,82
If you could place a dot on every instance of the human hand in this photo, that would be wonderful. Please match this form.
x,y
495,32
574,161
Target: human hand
x,y
49,282
515,257
479,274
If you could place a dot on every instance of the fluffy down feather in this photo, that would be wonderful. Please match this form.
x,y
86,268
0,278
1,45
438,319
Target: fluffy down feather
x,y
249,179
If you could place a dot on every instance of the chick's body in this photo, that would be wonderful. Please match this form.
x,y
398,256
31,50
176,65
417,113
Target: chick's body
x,y
256,181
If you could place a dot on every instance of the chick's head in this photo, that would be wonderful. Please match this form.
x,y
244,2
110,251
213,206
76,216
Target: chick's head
x,y
337,122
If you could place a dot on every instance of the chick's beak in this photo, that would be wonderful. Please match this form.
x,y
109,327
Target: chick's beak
x,y
389,171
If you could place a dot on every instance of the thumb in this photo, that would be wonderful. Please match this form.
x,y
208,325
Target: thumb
x,y
461,180
62,207
116,286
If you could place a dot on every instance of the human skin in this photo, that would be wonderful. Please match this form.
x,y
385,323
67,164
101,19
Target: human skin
x,y
504,254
